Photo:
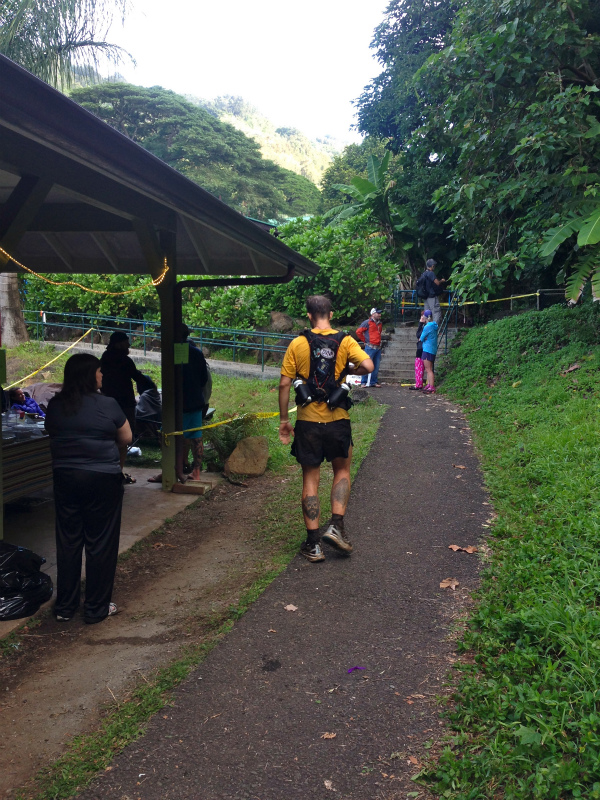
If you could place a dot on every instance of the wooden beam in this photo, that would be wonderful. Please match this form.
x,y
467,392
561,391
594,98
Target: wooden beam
x,y
151,247
89,185
21,207
201,251
105,248
61,251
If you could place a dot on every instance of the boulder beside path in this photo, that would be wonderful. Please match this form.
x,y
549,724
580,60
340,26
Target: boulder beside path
x,y
249,457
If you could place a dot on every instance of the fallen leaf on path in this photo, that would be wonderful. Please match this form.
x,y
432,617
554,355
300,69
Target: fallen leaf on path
x,y
413,760
458,466
329,785
271,630
449,583
454,547
572,368
410,702
421,696
291,608
469,549
329,736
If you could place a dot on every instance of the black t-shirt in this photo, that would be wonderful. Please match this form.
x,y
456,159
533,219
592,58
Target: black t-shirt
x,y
432,287
86,439
195,375
118,370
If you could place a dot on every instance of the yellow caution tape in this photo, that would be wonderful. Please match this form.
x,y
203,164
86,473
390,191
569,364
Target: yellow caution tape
x,y
497,300
21,380
256,415
153,282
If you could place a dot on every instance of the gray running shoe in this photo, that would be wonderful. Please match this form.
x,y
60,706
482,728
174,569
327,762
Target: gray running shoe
x,y
313,552
335,537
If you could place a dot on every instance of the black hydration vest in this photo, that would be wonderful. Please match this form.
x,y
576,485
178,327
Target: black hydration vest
x,y
321,372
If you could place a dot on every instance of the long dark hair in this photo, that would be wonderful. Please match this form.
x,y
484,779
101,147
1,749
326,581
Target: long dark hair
x,y
79,380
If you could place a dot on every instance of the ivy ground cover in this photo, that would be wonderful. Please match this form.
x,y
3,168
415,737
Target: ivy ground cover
x,y
526,711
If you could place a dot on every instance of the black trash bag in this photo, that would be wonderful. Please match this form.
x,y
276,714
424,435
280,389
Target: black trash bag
x,y
23,588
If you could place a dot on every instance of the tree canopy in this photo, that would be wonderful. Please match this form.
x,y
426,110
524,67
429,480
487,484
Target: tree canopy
x,y
494,108
210,152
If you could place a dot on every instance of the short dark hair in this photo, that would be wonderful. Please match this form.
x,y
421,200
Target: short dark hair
x,y
79,380
318,305
430,263
118,336
184,332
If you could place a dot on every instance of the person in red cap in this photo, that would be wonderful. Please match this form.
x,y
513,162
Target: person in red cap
x,y
370,334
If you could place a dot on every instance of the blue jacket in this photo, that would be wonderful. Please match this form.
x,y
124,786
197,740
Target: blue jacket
x,y
429,338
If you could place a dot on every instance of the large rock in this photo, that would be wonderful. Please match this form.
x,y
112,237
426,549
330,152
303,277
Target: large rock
x,y
249,457
280,322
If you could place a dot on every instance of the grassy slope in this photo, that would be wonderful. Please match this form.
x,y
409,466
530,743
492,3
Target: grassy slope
x,y
526,714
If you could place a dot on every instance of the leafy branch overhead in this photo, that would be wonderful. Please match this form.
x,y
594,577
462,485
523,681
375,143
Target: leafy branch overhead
x,y
495,105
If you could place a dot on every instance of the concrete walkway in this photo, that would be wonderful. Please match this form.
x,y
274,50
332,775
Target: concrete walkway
x,y
334,697
30,522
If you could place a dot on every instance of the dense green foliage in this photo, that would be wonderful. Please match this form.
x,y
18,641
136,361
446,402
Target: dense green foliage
x,y
519,82
494,107
210,152
350,163
356,270
52,39
390,107
526,709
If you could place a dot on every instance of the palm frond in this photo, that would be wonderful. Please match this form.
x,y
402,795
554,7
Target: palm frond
x,y
588,265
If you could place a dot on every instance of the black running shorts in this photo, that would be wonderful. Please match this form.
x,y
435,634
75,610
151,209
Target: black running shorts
x,y
316,441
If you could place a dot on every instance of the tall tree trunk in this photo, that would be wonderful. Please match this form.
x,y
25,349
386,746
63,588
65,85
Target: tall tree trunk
x,y
13,323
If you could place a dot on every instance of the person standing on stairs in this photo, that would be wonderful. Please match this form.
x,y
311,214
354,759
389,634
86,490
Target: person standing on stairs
x,y
429,337
370,334
419,365
433,288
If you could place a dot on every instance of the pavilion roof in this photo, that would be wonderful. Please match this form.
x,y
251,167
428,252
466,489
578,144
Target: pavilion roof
x,y
78,196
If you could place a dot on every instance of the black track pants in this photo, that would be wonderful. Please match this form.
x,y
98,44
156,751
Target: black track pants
x,y
88,513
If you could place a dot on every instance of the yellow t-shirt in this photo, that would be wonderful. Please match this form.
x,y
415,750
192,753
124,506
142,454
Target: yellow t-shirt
x,y
296,363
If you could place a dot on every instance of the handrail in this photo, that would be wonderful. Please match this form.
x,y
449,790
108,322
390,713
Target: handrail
x,y
236,339
452,306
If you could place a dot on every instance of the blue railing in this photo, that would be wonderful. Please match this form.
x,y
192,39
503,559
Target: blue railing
x,y
143,334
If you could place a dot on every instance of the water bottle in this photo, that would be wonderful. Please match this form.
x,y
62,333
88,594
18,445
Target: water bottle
x,y
338,396
303,396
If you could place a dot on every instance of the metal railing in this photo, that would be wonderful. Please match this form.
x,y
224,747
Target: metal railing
x,y
45,325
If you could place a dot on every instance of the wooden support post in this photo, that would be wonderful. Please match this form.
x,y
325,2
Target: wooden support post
x,y
172,400
155,249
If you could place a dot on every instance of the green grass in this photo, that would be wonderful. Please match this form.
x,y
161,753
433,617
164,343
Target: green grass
x,y
526,713
281,533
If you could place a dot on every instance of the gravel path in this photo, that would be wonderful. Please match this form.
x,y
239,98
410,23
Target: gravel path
x,y
277,712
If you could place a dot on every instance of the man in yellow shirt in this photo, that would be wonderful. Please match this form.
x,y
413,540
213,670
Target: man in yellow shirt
x,y
322,431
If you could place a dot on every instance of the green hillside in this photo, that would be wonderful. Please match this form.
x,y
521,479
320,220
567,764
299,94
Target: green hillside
x,y
525,712
287,147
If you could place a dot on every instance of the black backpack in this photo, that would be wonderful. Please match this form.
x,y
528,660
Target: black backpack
x,y
321,373
422,287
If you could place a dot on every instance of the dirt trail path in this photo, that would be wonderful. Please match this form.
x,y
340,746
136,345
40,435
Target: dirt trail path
x,y
335,698
53,687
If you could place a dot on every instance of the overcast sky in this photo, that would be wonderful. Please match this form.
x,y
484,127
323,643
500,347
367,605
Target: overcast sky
x,y
302,63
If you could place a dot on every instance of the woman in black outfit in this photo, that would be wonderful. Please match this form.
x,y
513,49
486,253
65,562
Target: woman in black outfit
x,y
86,430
